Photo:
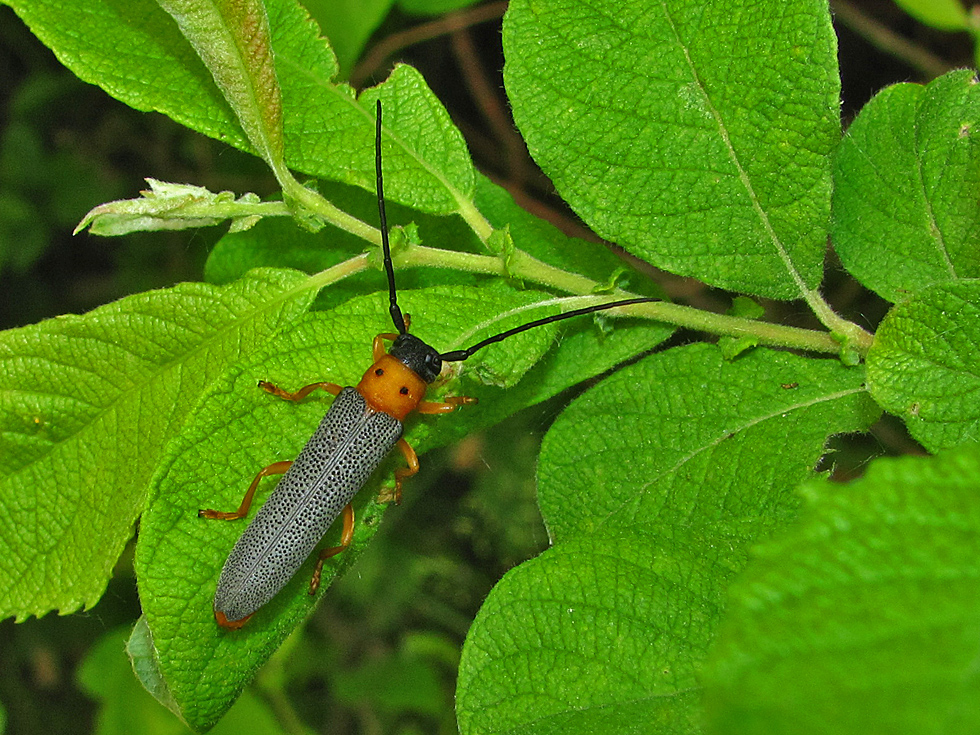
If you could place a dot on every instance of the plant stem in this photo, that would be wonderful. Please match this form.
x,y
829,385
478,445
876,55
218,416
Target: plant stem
x,y
337,273
846,332
528,268
325,210
475,219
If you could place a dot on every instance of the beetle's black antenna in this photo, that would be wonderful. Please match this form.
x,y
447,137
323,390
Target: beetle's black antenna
x,y
460,355
396,313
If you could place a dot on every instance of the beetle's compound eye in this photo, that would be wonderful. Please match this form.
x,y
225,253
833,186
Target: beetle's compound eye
x,y
434,363
404,390
379,372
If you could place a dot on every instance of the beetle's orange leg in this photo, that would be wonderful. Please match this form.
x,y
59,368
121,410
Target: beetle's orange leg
x,y
346,537
450,403
378,350
276,468
301,393
387,495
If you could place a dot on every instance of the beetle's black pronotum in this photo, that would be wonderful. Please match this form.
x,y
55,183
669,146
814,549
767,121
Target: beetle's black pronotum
x,y
363,425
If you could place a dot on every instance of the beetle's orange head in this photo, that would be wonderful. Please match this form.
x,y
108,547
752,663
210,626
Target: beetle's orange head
x,y
397,382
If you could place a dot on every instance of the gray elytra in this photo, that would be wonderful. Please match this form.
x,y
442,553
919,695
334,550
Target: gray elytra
x,y
350,443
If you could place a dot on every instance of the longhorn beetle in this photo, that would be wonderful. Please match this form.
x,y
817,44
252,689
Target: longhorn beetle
x,y
363,425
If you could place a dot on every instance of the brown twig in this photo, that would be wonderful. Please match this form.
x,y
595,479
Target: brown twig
x,y
488,99
374,59
887,40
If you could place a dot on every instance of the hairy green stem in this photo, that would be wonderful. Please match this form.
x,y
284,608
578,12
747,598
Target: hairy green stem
x,y
531,269
337,273
843,330
475,219
325,210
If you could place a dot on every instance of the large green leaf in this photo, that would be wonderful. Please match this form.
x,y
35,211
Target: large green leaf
x,y
594,636
924,364
652,484
713,443
88,405
865,616
696,135
135,52
907,176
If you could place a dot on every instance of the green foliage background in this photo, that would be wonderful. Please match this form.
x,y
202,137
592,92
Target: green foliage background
x,y
696,573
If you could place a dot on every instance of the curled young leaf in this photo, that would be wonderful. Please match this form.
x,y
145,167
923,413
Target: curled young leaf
x,y
177,207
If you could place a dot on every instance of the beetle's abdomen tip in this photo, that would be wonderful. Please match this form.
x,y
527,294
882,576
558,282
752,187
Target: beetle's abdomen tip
x,y
224,622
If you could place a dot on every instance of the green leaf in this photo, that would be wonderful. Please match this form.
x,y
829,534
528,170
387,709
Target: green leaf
x,y
349,25
126,707
652,484
865,616
745,307
136,53
544,241
946,15
233,40
142,655
238,429
924,364
425,140
750,430
279,243
905,209
87,407
709,155
732,347
597,635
